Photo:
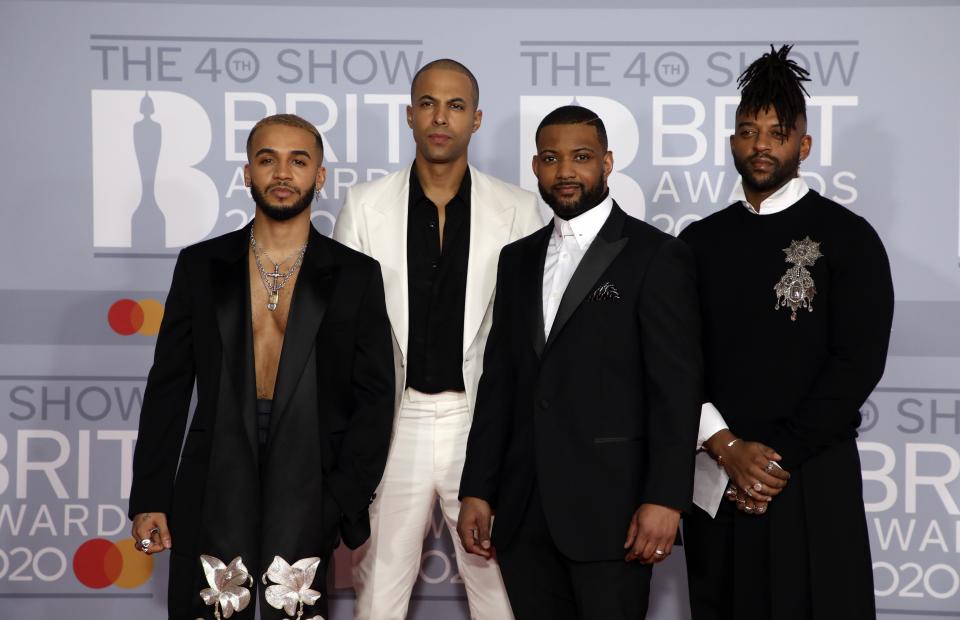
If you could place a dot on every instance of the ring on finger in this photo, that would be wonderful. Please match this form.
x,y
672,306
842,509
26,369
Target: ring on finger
x,y
748,491
748,508
757,486
144,544
659,553
769,466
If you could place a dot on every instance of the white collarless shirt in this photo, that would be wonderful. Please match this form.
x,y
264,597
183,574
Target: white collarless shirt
x,y
569,241
710,480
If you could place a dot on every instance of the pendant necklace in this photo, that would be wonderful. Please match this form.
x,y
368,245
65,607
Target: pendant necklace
x,y
275,280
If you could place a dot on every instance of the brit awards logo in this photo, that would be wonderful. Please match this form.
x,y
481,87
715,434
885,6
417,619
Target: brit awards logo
x,y
148,195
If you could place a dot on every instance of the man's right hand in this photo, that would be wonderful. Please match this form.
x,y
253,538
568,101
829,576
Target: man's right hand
x,y
474,525
750,464
152,526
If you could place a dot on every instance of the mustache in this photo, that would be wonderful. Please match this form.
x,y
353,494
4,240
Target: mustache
x,y
765,158
284,185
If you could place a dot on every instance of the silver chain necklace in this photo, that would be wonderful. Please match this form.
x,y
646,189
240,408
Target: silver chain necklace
x,y
277,279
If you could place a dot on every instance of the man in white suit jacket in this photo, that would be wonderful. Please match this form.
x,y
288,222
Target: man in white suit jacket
x,y
437,229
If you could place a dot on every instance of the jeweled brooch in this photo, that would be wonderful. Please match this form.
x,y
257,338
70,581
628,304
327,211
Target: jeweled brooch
x,y
796,288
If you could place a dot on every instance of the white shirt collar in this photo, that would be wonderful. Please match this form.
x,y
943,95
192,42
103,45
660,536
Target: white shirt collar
x,y
585,226
787,196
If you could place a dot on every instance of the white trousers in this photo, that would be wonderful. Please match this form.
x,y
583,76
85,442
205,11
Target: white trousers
x,y
425,463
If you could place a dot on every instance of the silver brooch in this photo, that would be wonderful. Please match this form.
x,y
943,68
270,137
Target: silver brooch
x,y
227,591
796,288
291,589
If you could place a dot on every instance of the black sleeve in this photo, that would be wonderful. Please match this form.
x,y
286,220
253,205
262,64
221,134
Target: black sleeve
x,y
490,430
861,314
166,401
363,454
669,316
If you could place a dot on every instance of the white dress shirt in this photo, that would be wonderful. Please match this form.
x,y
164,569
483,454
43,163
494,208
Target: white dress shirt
x,y
569,241
710,480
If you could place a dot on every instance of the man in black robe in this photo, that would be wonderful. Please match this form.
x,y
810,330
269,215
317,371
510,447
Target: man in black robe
x,y
797,304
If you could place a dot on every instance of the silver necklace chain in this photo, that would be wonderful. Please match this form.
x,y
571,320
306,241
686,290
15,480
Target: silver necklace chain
x,y
276,280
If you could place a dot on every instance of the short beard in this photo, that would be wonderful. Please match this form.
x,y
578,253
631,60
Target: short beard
x,y
589,198
781,173
280,214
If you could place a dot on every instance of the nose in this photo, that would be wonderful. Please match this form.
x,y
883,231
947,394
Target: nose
x,y
440,115
763,143
565,169
283,171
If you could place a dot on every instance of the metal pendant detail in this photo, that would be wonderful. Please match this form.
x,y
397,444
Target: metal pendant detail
x,y
796,289
273,300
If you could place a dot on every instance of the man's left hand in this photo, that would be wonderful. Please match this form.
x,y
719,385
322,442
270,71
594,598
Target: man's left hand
x,y
653,528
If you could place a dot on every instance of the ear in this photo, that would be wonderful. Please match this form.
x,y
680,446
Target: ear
x,y
806,143
410,116
247,180
321,178
536,166
477,119
607,164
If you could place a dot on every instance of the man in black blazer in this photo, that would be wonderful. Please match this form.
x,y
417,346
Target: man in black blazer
x,y
589,397
286,336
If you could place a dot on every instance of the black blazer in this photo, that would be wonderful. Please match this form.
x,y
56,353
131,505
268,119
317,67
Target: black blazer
x,y
331,422
603,414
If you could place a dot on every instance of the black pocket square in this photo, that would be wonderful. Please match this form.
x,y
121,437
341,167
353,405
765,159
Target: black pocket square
x,y
605,291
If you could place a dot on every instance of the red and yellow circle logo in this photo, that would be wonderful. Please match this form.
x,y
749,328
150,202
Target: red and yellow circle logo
x,y
99,563
128,316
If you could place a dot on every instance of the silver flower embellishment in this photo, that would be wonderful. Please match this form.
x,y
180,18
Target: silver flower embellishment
x,y
226,591
292,585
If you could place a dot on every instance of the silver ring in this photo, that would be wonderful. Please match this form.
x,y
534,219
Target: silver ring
x,y
757,486
748,491
145,544
658,552
769,466
748,508
155,530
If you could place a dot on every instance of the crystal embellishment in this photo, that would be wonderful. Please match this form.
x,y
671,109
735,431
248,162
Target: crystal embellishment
x,y
796,289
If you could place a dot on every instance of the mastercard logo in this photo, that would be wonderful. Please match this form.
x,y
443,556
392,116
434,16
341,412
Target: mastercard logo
x,y
99,563
128,316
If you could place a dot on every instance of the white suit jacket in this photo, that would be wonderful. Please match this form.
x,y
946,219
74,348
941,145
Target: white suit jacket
x,y
374,221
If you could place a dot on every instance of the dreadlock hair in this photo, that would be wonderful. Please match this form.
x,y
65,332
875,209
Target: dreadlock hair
x,y
774,80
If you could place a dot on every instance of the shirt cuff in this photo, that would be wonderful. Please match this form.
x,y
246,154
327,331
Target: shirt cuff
x,y
711,423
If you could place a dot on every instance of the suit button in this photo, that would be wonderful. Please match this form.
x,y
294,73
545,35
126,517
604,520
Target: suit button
x,y
544,404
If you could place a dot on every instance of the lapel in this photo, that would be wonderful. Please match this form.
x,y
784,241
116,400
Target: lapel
x,y
601,253
533,281
386,216
231,288
491,221
311,296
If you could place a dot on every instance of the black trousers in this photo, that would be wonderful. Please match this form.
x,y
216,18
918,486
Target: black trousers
x,y
543,583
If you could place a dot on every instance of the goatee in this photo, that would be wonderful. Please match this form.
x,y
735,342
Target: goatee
x,y
780,172
278,213
589,198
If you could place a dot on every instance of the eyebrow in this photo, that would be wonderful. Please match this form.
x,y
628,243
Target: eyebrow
x,y
575,150
270,151
432,98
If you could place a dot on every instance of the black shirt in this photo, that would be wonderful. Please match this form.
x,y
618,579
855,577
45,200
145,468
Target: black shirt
x,y
438,283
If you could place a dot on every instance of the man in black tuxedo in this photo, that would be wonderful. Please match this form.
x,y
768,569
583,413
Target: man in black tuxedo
x,y
285,334
589,397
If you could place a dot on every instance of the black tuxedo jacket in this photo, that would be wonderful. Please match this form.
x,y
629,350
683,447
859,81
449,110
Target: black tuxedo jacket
x,y
603,414
329,431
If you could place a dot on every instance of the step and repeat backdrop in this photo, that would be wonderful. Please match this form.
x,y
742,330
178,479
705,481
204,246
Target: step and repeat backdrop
x,y
123,131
